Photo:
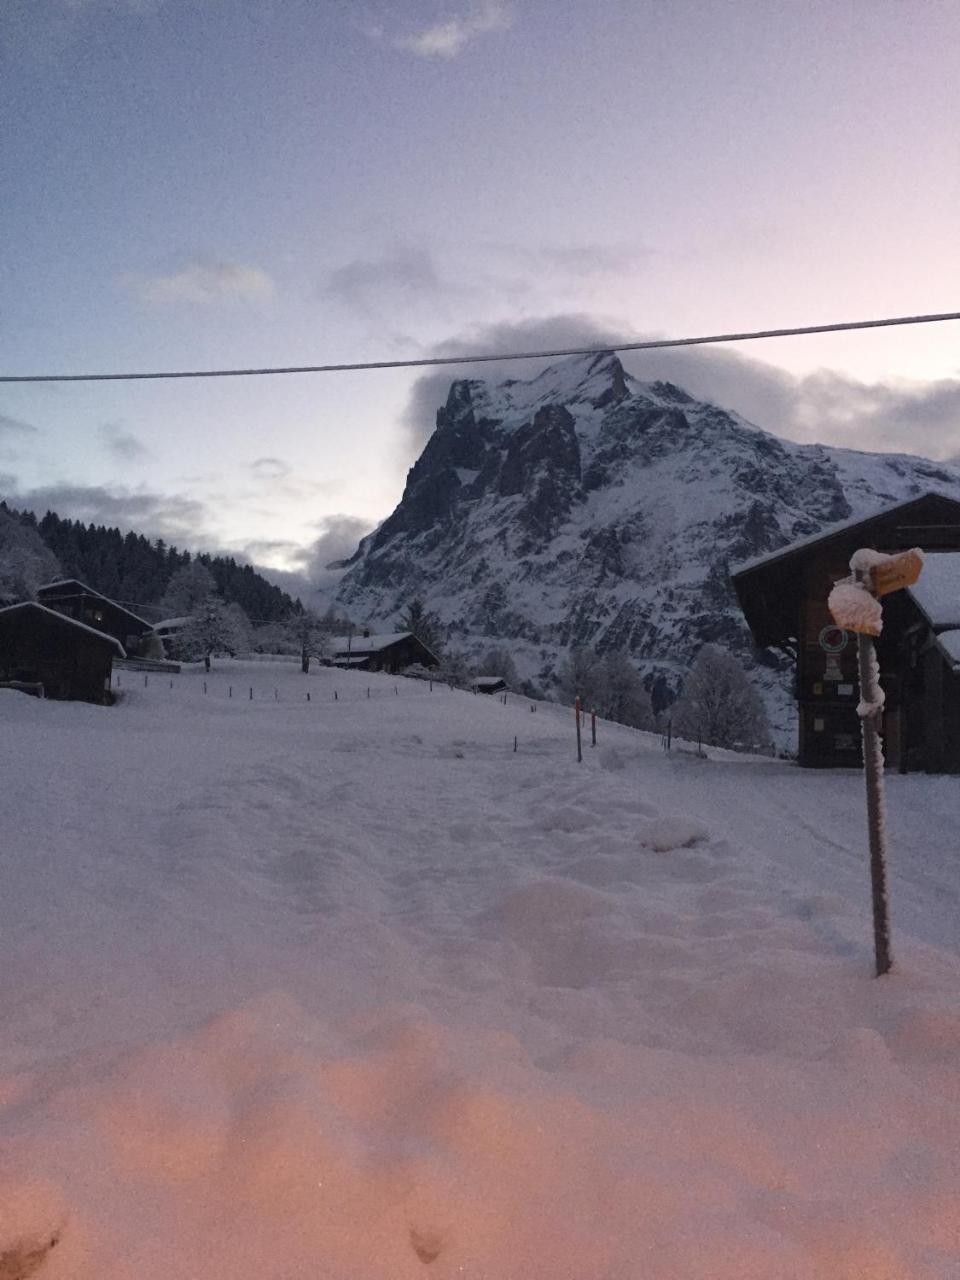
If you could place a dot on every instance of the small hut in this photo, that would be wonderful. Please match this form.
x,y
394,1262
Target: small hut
x,y
39,646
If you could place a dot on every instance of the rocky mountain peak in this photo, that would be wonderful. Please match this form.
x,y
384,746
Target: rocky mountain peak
x,y
584,506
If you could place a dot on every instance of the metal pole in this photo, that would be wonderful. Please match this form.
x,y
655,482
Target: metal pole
x,y
873,775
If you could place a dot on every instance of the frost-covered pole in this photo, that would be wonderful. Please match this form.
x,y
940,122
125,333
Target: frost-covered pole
x,y
870,710
855,607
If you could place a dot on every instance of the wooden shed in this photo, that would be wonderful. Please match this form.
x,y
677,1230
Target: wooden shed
x,y
784,599
69,659
390,652
75,599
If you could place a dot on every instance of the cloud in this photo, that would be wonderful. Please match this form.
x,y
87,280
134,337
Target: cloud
x,y
449,38
156,515
203,282
311,578
405,272
826,407
15,426
124,445
270,469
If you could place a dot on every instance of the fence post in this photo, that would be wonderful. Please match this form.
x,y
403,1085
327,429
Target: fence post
x,y
251,693
204,686
593,728
576,716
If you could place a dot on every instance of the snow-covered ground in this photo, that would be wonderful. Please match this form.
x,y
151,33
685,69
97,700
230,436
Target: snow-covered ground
x,y
350,989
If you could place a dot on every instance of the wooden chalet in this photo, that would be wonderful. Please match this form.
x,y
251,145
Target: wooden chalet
x,y
40,646
76,600
784,599
393,652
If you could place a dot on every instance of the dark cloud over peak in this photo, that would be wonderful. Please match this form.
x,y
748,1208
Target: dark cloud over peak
x,y
825,407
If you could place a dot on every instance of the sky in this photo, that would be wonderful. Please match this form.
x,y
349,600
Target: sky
x,y
221,183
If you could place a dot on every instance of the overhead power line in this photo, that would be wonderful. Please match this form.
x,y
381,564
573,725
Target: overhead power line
x,y
433,361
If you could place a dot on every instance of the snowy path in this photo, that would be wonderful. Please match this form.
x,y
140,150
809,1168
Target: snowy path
x,y
348,988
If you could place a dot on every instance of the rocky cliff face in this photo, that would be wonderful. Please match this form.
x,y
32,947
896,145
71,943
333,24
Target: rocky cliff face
x,y
583,506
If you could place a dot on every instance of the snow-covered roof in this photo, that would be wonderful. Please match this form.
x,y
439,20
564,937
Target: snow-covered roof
x,y
831,531
89,591
367,644
949,642
169,624
485,682
67,621
937,590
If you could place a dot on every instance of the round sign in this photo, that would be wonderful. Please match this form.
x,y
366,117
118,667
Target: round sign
x,y
833,639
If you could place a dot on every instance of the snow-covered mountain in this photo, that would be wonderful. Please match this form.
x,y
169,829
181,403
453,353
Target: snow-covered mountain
x,y
584,506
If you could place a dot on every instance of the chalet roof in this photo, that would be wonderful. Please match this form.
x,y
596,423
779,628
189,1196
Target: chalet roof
x,y
770,588
89,591
937,591
832,531
486,682
368,644
64,620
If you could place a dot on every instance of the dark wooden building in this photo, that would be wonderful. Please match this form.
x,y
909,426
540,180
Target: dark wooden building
x,y
382,653
784,598
76,600
69,659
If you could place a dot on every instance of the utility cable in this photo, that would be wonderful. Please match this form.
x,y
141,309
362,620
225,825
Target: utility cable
x,y
434,361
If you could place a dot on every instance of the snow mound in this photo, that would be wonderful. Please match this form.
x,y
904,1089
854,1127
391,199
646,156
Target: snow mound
x,y
676,832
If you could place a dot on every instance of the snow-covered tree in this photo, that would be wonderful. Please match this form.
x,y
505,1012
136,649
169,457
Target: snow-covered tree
x,y
719,705
188,589
312,635
212,627
622,696
498,662
580,675
424,625
25,562
455,669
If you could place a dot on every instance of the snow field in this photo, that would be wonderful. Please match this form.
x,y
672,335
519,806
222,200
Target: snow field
x,y
349,988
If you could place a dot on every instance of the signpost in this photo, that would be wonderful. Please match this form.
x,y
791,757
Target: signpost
x,y
854,606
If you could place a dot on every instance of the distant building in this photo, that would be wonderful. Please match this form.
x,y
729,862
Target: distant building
x,y
488,684
784,599
76,600
364,652
41,646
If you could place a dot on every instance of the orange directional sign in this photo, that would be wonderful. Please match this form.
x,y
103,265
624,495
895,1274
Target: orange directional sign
x,y
897,572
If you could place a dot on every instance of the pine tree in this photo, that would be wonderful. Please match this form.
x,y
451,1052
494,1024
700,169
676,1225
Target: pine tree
x,y
425,626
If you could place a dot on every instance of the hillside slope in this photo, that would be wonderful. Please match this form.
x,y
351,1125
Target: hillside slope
x,y
350,988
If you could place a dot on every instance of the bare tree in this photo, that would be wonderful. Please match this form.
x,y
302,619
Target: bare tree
x,y
623,697
311,634
719,705
580,675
